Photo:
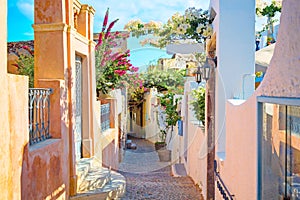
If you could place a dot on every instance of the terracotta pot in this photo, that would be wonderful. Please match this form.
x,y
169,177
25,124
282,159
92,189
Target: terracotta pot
x,y
103,96
164,155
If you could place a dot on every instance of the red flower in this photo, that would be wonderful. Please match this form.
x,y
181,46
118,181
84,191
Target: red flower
x,y
28,49
110,27
100,39
105,20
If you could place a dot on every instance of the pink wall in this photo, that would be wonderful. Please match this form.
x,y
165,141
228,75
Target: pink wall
x,y
197,156
194,142
239,170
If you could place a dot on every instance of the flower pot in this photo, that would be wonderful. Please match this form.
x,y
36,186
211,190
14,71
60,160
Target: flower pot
x,y
103,96
164,155
160,145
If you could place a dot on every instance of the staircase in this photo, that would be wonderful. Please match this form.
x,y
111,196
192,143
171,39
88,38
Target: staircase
x,y
96,182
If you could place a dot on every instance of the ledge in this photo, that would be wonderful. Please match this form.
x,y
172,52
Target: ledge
x,y
50,27
236,102
43,144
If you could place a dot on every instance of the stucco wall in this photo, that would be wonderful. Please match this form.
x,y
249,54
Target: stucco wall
x,y
239,170
107,142
44,167
151,127
234,26
13,120
14,131
5,176
193,143
46,164
196,164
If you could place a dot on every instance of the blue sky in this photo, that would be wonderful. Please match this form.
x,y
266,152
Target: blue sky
x,y
21,16
20,13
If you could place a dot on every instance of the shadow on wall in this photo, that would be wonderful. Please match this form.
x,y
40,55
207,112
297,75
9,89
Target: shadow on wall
x,y
41,176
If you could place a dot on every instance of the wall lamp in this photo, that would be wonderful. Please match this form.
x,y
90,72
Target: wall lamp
x,y
203,72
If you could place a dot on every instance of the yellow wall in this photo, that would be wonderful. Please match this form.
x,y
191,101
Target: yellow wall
x,y
13,120
106,144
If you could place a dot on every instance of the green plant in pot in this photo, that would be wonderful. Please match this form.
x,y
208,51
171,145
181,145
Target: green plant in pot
x,y
162,143
170,103
198,104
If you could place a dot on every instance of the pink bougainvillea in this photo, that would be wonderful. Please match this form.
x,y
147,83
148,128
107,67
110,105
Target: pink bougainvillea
x,y
111,65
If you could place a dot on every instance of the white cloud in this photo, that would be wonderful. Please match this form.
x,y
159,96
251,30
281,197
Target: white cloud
x,y
145,10
26,7
28,34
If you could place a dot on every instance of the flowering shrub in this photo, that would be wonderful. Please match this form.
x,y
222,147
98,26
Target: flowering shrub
x,y
170,103
193,24
171,80
198,103
25,65
110,65
135,88
269,11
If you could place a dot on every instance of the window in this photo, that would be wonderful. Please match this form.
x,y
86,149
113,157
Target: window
x,y
279,148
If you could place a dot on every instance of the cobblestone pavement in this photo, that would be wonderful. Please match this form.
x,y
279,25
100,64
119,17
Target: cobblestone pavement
x,y
147,178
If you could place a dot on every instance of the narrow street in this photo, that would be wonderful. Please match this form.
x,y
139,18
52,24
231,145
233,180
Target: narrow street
x,y
148,178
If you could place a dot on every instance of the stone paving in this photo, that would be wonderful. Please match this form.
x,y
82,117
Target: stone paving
x,y
148,178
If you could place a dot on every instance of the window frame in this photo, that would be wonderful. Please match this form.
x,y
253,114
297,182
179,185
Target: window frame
x,y
286,101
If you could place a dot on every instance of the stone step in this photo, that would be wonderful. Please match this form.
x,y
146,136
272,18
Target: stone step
x,y
96,178
178,170
82,168
113,188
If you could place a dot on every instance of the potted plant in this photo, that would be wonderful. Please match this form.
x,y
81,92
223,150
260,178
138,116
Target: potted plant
x,y
162,143
169,103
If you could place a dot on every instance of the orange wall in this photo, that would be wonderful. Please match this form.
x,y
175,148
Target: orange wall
x,y
43,176
45,171
13,120
14,131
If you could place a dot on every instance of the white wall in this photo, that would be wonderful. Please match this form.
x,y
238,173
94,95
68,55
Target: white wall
x,y
193,144
234,25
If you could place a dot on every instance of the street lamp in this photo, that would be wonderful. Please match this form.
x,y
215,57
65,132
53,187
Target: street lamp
x,y
204,71
198,75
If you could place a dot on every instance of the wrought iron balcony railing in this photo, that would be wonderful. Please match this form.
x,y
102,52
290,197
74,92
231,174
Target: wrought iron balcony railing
x,y
39,114
105,117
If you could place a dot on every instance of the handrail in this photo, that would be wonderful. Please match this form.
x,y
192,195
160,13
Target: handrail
x,y
221,186
39,114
